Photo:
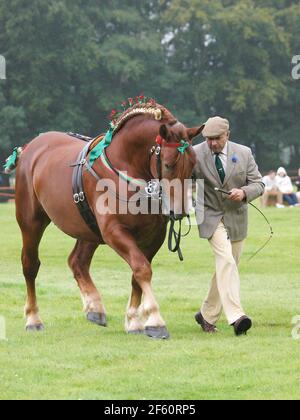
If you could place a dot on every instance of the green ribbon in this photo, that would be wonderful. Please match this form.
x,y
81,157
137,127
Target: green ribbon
x,y
184,146
11,160
99,149
97,152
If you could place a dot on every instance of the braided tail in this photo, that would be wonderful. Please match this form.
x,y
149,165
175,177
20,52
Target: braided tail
x,y
12,160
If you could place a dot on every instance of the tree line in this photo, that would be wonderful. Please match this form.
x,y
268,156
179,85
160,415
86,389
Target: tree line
x,y
69,62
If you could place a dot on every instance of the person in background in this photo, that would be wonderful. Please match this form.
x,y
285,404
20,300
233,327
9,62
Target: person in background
x,y
272,190
285,185
298,186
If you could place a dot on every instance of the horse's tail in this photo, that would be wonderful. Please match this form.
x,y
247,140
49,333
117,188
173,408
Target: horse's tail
x,y
12,160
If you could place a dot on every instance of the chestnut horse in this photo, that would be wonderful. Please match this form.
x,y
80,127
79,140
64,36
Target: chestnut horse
x,y
44,194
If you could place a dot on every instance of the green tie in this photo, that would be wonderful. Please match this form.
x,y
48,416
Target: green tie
x,y
220,168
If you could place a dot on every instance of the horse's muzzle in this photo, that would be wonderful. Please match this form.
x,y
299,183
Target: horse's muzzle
x,y
176,216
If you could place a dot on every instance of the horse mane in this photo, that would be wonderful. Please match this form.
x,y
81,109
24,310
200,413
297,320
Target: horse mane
x,y
159,112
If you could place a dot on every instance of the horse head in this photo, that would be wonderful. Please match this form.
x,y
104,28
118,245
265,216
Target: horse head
x,y
152,127
177,161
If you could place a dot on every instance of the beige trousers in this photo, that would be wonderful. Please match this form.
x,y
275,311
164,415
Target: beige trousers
x,y
224,292
274,193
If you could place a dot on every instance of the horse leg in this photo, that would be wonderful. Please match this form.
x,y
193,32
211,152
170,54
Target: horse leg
x,y
80,262
31,264
125,245
133,321
135,314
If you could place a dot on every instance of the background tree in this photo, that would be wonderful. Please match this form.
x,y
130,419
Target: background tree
x,y
69,62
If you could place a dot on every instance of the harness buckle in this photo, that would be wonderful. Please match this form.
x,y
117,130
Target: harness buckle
x,y
153,188
82,162
158,150
79,197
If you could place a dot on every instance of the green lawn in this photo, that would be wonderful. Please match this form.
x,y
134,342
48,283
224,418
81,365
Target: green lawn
x,y
73,359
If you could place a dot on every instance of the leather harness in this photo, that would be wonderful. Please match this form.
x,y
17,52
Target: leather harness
x,y
77,184
77,180
82,202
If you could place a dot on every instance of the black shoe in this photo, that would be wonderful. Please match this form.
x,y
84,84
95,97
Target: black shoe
x,y
206,326
242,325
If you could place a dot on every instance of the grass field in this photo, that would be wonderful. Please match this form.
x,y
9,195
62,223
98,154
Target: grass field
x,y
73,359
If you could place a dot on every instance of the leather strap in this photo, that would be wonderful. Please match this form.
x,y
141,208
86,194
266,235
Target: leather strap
x,y
78,189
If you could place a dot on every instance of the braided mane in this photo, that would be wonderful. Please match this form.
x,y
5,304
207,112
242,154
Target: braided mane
x,y
157,111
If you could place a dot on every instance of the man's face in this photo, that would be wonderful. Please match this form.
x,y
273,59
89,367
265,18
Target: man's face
x,y
272,175
217,144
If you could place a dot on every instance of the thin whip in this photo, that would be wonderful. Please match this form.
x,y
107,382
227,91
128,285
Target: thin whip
x,y
271,232
264,216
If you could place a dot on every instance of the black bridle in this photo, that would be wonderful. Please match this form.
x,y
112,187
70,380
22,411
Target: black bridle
x,y
174,239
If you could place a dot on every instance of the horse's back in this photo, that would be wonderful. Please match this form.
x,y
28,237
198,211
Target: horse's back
x,y
50,146
44,177
47,160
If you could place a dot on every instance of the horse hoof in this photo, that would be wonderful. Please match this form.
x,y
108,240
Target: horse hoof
x,y
157,332
99,319
136,332
32,328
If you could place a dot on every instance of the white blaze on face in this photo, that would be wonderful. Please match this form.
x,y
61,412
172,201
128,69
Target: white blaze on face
x,y
177,196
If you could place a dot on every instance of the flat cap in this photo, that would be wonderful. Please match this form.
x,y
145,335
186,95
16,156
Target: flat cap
x,y
215,127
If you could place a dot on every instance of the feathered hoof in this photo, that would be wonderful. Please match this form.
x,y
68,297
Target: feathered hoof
x,y
96,318
157,332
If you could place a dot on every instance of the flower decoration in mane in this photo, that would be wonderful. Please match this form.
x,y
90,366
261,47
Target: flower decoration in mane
x,y
131,108
138,106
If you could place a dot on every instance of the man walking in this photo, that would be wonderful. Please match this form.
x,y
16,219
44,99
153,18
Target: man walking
x,y
230,167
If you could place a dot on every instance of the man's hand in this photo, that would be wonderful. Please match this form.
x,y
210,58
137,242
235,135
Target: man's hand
x,y
237,195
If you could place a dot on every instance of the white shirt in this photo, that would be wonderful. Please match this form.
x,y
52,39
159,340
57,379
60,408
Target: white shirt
x,y
223,156
284,184
270,183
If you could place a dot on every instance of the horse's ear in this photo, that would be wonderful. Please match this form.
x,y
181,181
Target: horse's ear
x,y
195,131
164,132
